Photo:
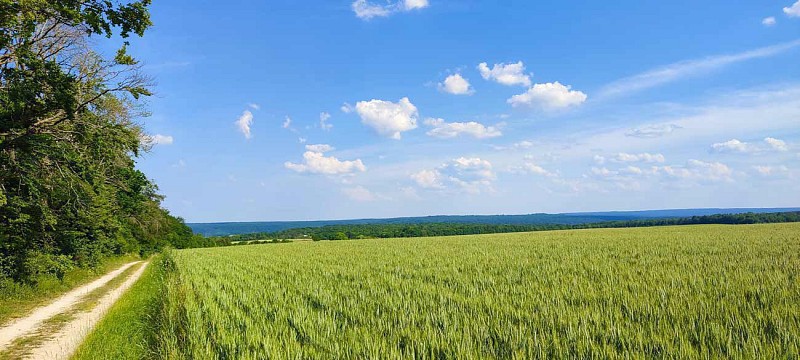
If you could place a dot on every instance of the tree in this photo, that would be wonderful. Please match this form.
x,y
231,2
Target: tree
x,y
69,191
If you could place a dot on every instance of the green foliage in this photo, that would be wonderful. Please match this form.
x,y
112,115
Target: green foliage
x,y
710,291
70,194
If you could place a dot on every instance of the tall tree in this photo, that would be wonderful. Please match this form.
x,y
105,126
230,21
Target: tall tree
x,y
69,190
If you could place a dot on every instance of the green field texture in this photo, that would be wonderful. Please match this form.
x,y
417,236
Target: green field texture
x,y
711,291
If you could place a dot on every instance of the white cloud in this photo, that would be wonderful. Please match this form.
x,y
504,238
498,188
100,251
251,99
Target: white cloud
x,y
506,74
287,122
302,140
347,108
683,69
315,162
445,130
156,139
415,4
470,175
768,21
457,85
549,96
388,118
599,159
320,148
428,179
735,145
524,144
792,11
366,10
697,170
244,122
323,121
359,193
602,171
776,144
633,170
643,157
532,168
653,131
254,106
767,170
731,145
520,145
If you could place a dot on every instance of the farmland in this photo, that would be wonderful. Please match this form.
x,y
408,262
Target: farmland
x,y
687,292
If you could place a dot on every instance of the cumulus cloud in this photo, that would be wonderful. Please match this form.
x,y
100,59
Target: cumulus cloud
x,y
470,175
323,121
287,122
735,145
653,131
244,122
776,144
768,21
315,162
428,179
792,11
549,96
506,74
359,193
643,157
388,118
254,106
445,130
366,10
457,85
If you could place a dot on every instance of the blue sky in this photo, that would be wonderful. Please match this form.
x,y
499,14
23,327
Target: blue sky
x,y
414,107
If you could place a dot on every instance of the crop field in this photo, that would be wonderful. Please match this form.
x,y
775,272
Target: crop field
x,y
681,292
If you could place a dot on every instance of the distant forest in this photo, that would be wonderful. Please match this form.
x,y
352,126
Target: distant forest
x,y
366,231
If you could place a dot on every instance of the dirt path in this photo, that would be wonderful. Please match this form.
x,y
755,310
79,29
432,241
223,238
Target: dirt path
x,y
63,344
26,325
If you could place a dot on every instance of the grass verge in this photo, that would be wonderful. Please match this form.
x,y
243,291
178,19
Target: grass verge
x,y
128,330
17,300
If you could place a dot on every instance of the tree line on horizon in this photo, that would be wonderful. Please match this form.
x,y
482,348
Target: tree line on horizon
x,y
367,231
70,193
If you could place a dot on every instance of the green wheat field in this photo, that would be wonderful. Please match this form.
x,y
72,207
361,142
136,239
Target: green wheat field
x,y
680,292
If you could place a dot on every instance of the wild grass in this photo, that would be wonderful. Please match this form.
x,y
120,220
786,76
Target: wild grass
x,y
127,331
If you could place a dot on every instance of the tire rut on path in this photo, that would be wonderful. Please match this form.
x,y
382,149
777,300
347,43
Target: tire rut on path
x,y
23,326
64,343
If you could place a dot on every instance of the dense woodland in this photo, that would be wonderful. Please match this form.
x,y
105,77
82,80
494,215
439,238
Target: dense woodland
x,y
363,231
70,193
